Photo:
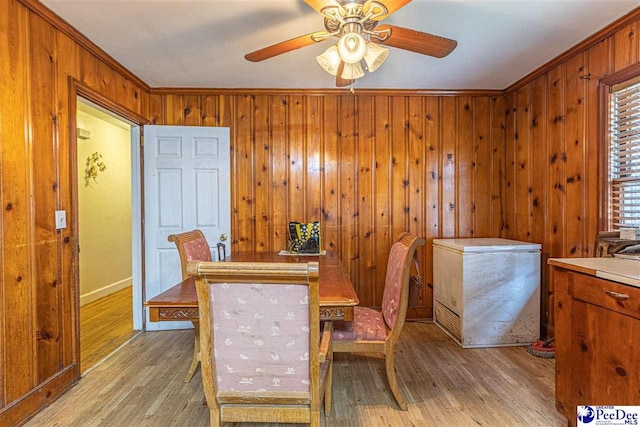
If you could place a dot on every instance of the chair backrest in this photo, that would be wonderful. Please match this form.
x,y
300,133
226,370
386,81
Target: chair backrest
x,y
259,332
396,286
192,246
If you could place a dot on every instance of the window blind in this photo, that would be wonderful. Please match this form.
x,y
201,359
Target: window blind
x,y
624,155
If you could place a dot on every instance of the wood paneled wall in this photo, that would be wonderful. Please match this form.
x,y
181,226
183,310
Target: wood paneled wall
x,y
37,303
368,166
553,151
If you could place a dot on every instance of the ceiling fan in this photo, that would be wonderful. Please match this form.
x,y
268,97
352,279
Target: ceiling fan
x,y
355,24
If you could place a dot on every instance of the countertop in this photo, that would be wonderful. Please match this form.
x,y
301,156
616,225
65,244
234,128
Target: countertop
x,y
620,270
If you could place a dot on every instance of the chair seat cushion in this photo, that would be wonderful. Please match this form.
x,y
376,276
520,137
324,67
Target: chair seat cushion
x,y
367,324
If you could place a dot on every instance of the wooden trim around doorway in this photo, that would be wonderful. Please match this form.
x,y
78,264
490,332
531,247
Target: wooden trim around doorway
x,y
79,89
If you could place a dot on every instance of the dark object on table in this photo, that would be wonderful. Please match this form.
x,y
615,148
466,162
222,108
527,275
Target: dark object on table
x,y
304,238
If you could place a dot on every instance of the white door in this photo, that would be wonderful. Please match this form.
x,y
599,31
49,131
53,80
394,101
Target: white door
x,y
186,186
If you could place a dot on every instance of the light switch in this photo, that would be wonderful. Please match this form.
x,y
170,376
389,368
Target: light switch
x,y
61,219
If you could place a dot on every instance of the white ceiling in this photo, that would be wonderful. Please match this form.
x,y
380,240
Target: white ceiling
x,y
202,43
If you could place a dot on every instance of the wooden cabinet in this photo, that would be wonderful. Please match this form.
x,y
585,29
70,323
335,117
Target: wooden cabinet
x,y
597,342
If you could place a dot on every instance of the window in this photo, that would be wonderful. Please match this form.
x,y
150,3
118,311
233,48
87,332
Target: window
x,y
624,156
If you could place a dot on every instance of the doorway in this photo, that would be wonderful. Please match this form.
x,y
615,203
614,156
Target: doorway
x,y
106,256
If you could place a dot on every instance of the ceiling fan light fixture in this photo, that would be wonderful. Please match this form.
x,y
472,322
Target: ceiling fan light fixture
x,y
330,60
352,71
352,47
375,56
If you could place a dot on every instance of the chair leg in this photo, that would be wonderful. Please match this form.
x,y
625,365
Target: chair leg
x,y
391,376
196,353
214,416
315,419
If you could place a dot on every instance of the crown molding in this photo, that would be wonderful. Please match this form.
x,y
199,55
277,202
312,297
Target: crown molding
x,y
373,92
63,26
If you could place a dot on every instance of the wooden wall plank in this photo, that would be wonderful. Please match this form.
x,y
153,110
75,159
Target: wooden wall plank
x,y
156,109
399,178
599,64
415,165
348,216
539,153
119,85
498,172
313,156
432,152
575,244
18,331
279,166
626,46
192,110
511,110
365,190
88,73
263,198
417,175
556,239
243,207
174,109
522,185
105,80
210,112
382,192
557,161
44,164
448,182
464,168
330,179
482,167
297,159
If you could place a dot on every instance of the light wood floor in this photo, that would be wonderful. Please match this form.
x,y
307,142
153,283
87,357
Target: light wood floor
x,y
105,325
443,385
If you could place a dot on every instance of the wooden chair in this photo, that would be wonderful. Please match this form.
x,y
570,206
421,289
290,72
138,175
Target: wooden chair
x,y
372,331
262,357
192,246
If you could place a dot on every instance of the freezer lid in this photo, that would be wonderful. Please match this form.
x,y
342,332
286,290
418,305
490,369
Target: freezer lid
x,y
486,245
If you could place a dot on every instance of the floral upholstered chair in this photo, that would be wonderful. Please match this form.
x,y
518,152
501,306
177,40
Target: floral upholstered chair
x,y
262,355
372,331
192,246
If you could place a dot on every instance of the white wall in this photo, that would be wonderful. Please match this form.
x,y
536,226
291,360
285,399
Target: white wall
x,y
104,210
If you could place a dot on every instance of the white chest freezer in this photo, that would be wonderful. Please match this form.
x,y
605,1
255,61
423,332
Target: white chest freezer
x,y
487,291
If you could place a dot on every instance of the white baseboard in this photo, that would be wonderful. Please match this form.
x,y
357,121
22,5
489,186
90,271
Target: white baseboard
x,y
104,291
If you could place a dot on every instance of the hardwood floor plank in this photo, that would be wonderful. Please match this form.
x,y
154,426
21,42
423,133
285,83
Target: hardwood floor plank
x,y
443,385
105,325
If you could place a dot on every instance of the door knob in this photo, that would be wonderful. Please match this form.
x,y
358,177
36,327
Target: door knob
x,y
223,237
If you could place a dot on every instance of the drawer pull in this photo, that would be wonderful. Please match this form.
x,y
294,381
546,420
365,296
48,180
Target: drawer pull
x,y
616,295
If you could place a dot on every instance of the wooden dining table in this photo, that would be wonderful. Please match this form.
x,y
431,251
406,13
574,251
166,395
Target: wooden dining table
x,y
337,296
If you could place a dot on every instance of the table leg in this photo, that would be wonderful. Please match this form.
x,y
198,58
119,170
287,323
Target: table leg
x,y
196,353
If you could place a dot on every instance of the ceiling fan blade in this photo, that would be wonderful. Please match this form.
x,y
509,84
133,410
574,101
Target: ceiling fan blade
x,y
340,82
284,47
318,5
417,41
391,5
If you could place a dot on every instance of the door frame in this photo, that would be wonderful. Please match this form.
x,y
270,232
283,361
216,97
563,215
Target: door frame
x,y
79,89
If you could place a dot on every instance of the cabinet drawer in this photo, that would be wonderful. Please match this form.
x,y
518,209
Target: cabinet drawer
x,y
604,293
